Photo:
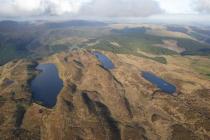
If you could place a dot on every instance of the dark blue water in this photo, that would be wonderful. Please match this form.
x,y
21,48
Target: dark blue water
x,y
159,83
105,61
47,85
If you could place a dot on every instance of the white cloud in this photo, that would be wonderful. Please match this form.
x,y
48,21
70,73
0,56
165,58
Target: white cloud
x,y
203,6
80,7
177,6
106,8
121,8
59,7
185,6
39,7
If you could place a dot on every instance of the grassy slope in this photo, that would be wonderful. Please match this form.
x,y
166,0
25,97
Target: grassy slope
x,y
202,67
134,40
131,40
106,46
10,52
194,48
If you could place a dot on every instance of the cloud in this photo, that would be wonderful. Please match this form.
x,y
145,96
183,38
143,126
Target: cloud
x,y
100,8
121,8
202,6
60,7
106,8
177,6
39,7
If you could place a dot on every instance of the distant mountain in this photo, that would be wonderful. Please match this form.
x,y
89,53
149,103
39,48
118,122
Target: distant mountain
x,y
75,23
208,41
139,30
13,26
201,31
8,25
177,29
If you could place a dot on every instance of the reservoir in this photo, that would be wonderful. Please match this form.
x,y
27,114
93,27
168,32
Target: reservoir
x,y
105,61
47,85
163,85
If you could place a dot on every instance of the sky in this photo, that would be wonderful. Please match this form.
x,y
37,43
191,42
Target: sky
x,y
102,8
177,6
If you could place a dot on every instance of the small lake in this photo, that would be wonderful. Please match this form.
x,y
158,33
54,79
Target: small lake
x,y
159,83
47,85
105,61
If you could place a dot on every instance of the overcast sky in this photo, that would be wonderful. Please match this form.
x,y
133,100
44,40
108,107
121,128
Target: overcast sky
x,y
101,8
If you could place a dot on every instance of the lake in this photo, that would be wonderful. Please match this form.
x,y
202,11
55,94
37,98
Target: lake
x,y
159,83
46,85
105,61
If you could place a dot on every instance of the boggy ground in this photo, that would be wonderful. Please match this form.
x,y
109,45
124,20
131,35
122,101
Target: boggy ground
x,y
100,104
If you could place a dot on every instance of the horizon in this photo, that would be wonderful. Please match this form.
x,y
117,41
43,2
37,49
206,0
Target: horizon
x,y
178,19
160,11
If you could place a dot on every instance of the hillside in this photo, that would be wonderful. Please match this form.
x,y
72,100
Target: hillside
x,y
97,103
34,40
